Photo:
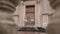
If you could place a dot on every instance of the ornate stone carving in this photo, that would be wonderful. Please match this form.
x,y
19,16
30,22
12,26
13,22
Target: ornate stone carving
x,y
7,25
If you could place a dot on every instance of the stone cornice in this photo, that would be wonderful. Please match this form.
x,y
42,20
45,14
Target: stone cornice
x,y
54,3
49,14
9,4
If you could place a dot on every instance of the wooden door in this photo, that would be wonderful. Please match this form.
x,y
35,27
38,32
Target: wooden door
x,y
30,15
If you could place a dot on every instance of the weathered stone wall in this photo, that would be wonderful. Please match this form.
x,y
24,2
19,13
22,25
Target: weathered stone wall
x,y
7,25
54,27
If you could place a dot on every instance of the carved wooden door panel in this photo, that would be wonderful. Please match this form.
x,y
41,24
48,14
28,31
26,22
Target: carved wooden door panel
x,y
30,15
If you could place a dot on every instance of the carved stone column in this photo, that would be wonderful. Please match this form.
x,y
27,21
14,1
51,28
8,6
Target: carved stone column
x,y
7,25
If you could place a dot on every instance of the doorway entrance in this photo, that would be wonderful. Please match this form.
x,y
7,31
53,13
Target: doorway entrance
x,y
30,15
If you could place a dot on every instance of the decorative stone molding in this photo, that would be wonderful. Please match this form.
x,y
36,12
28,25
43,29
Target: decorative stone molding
x,y
48,13
7,25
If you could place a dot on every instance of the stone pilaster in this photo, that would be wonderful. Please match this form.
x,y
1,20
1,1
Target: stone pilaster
x,y
46,12
7,25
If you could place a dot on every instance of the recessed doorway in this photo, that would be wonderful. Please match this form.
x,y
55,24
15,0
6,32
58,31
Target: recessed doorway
x,y
30,15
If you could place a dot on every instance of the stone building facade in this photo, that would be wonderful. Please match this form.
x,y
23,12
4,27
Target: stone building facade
x,y
29,13
33,13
